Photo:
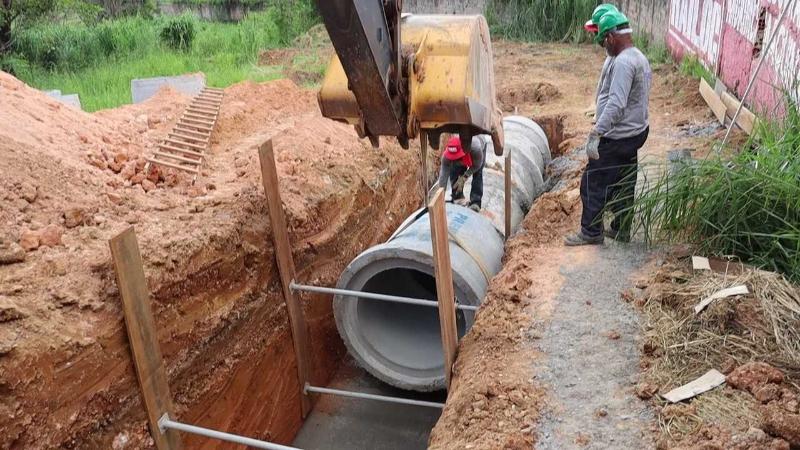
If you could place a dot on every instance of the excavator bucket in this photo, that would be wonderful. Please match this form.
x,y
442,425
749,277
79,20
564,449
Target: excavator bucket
x,y
448,66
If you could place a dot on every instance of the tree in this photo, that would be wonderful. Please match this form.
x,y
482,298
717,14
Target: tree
x,y
14,12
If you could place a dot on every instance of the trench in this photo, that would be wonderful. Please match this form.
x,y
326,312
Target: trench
x,y
244,381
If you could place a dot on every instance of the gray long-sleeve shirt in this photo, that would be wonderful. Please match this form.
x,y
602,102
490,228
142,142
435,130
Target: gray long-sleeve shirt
x,y
477,150
623,112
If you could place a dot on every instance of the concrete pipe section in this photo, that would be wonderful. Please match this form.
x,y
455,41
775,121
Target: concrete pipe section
x,y
398,343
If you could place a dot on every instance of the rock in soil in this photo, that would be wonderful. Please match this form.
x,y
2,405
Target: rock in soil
x,y
777,422
751,377
11,253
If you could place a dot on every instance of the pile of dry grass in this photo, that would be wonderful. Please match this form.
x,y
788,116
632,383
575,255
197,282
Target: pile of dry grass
x,y
681,345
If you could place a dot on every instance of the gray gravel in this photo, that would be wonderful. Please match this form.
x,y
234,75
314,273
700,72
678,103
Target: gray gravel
x,y
590,376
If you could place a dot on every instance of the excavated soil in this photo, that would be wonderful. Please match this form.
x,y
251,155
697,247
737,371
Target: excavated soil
x,y
73,180
505,392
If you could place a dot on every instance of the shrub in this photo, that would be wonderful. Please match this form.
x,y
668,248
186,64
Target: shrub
x,y
178,33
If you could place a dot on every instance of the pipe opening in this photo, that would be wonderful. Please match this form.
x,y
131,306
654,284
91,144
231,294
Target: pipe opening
x,y
385,326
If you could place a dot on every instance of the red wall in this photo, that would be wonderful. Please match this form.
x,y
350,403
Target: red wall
x,y
723,33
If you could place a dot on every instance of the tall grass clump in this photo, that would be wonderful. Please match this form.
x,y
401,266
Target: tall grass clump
x,y
656,52
178,32
540,20
747,205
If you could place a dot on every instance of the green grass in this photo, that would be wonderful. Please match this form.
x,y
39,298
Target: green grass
x,y
692,67
656,52
99,61
746,204
540,20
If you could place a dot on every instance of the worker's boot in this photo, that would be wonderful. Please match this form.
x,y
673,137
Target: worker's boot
x,y
475,207
576,239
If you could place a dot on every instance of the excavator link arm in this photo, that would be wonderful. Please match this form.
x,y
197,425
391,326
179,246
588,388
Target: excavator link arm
x,y
365,34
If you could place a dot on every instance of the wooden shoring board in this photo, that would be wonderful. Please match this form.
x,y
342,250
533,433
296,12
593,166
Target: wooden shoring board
x,y
142,337
507,195
440,238
283,255
746,120
713,100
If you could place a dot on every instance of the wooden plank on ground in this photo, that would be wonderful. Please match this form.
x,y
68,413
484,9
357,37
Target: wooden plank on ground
x,y
283,254
142,337
746,120
507,195
440,239
713,100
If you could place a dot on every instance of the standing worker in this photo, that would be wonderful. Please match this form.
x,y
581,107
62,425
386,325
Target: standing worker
x,y
458,165
620,131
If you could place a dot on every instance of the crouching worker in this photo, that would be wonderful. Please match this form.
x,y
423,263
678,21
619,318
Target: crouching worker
x,y
458,166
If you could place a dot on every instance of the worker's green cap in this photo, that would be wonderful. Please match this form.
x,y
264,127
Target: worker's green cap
x,y
591,24
609,22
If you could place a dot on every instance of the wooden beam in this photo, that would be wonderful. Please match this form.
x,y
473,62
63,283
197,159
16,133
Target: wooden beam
x,y
283,254
746,120
142,337
713,100
507,195
444,281
423,154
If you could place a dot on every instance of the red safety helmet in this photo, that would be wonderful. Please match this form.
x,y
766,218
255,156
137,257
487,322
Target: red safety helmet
x,y
453,150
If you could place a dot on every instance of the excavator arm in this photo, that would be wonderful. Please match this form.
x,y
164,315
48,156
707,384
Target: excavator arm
x,y
435,77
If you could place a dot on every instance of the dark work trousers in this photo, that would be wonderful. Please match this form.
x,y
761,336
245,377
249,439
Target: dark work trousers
x,y
476,193
611,181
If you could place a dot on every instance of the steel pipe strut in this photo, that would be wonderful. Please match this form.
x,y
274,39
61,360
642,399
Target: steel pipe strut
x,y
165,423
363,395
400,343
369,295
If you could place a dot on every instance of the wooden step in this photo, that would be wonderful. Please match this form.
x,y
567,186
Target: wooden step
x,y
210,101
203,134
178,158
187,144
202,109
174,166
194,125
201,116
212,89
200,121
175,133
180,150
211,98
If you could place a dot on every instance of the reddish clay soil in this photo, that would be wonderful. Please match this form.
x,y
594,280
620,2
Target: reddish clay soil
x,y
73,180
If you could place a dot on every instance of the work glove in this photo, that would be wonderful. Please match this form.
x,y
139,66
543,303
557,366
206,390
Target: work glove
x,y
461,202
458,186
592,144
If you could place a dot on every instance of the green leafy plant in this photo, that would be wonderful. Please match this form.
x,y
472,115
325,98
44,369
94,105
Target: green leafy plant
x,y
178,33
539,20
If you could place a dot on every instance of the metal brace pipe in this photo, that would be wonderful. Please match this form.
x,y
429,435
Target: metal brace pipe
x,y
372,296
362,395
165,423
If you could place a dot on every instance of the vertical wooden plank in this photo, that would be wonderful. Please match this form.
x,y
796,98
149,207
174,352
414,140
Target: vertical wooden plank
x,y
283,254
142,337
444,280
423,153
507,195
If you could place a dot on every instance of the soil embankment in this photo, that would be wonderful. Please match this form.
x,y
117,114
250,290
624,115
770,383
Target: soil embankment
x,y
73,180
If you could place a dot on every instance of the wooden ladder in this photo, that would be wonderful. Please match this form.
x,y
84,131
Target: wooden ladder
x,y
185,146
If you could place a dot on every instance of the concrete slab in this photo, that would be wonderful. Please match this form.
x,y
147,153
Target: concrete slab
x,y
68,99
338,423
144,88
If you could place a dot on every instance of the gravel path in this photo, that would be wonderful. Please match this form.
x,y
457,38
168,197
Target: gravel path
x,y
590,355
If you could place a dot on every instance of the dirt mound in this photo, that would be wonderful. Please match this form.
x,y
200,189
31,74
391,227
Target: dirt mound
x,y
65,371
523,92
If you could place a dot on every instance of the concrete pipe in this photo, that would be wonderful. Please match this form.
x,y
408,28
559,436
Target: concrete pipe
x,y
398,343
